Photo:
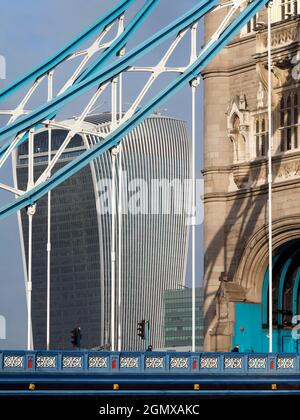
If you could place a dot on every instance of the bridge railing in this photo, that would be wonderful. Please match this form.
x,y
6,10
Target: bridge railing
x,y
148,362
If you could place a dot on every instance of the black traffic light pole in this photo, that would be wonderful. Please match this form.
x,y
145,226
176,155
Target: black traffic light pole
x,y
147,334
141,329
76,337
143,332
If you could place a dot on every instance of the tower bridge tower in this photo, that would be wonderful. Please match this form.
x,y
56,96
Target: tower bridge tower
x,y
236,184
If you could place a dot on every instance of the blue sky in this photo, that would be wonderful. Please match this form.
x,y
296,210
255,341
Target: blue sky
x,y
30,31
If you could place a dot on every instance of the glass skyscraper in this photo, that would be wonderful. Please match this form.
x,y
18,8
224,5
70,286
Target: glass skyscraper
x,y
154,246
178,319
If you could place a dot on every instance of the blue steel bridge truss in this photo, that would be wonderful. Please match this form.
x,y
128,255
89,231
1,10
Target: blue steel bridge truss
x,y
98,75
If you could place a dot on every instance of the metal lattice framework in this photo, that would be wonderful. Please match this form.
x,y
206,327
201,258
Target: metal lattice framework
x,y
98,76
101,66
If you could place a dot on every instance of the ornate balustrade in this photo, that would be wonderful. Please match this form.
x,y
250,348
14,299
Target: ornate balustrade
x,y
149,362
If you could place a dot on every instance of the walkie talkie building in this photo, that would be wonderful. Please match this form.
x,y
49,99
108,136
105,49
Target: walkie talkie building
x,y
154,245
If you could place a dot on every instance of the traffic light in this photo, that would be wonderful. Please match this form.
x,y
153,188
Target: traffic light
x,y
76,337
142,329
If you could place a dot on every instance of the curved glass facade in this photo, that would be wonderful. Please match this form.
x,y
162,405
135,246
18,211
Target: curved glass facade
x,y
154,246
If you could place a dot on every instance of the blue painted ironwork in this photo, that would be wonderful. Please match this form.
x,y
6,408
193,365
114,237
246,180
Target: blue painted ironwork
x,y
24,138
265,291
51,63
254,329
109,73
89,372
284,249
148,362
116,46
296,292
177,25
95,373
114,138
119,43
282,282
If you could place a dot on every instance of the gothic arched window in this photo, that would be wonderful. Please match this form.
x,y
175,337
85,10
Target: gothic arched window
x,y
238,139
296,118
236,123
288,8
261,135
286,286
251,25
288,121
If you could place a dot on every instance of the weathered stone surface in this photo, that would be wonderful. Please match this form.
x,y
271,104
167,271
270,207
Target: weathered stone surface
x,y
235,200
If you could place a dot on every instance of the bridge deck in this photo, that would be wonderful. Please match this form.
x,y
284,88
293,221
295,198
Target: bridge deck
x,y
107,373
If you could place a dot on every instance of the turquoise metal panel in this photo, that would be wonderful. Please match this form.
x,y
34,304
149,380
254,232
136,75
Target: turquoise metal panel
x,y
250,335
288,344
283,341
248,332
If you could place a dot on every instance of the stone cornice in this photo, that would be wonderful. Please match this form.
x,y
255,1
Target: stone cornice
x,y
250,65
287,159
250,178
250,192
214,170
245,39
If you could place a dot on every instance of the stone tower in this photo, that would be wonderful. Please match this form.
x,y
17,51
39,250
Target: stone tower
x,y
235,172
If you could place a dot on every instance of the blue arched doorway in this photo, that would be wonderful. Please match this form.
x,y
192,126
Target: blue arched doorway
x,y
252,324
